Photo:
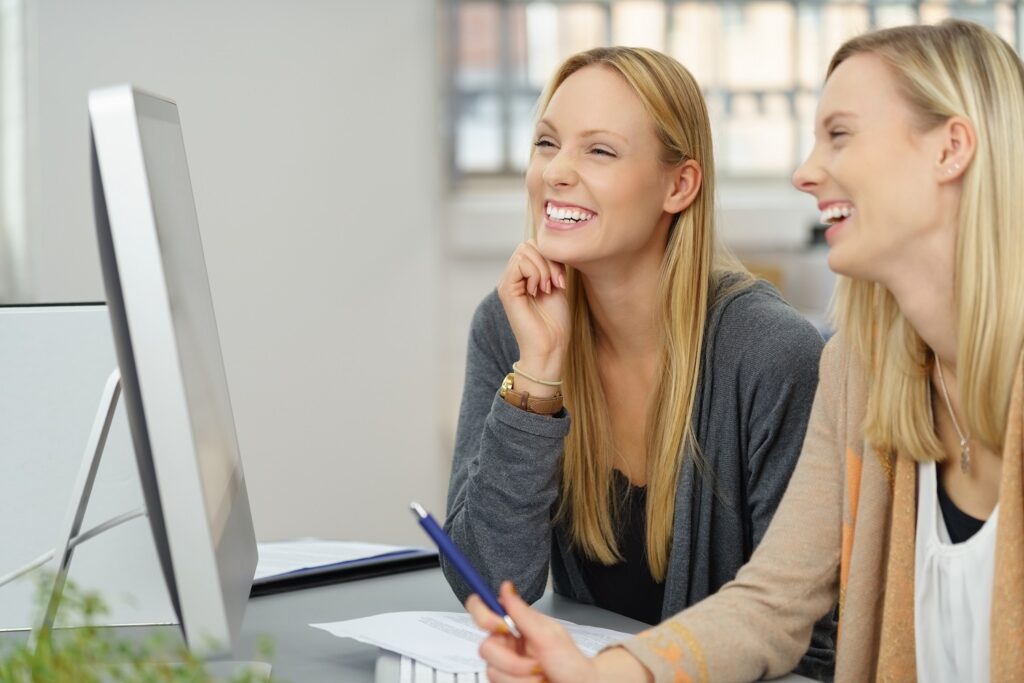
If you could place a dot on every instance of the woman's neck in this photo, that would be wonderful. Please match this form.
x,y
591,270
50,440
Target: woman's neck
x,y
924,290
623,306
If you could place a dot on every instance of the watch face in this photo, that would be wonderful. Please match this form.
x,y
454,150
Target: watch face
x,y
506,385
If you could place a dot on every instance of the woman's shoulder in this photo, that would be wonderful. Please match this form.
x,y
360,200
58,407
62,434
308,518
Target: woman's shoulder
x,y
753,319
490,311
490,326
843,371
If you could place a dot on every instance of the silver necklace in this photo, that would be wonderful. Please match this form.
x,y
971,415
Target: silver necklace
x,y
965,441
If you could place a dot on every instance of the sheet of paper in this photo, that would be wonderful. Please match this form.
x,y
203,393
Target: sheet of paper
x,y
447,641
286,557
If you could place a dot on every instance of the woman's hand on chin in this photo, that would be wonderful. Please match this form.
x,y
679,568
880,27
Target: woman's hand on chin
x,y
532,292
546,652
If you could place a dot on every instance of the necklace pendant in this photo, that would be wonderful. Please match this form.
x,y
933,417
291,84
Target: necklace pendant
x,y
965,456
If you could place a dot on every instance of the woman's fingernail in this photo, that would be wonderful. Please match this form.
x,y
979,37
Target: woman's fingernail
x,y
547,286
502,629
561,280
512,587
537,670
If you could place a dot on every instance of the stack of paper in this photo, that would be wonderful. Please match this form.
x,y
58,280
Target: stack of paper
x,y
411,671
290,557
446,641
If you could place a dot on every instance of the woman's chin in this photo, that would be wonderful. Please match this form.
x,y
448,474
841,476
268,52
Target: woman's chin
x,y
552,250
842,262
836,263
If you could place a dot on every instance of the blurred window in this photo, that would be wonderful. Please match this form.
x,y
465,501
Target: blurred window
x,y
760,63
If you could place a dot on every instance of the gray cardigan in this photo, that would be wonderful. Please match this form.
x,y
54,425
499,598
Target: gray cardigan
x,y
758,377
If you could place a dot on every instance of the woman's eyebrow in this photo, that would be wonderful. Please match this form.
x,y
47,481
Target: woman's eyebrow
x,y
601,131
837,115
545,122
585,134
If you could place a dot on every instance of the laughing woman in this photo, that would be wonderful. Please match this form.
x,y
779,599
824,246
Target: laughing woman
x,y
634,400
907,503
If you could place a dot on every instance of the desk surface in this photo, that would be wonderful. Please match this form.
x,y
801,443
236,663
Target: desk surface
x,y
307,655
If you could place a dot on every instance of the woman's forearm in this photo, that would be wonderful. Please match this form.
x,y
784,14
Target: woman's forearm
x,y
616,665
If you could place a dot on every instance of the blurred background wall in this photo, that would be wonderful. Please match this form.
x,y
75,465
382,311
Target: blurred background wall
x,y
357,168
312,137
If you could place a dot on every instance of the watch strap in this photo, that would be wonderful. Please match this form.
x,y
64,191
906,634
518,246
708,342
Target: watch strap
x,y
523,400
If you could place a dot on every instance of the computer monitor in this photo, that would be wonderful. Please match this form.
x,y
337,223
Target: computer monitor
x,y
173,379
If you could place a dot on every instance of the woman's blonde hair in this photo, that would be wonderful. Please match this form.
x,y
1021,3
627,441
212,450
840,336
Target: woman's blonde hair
x,y
693,264
953,69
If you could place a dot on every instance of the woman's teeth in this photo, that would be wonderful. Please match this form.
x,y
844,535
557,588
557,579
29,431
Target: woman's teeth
x,y
569,215
834,214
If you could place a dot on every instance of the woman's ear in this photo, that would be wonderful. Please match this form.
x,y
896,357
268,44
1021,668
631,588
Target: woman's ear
x,y
686,181
958,144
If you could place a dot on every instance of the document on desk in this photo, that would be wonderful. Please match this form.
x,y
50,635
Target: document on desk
x,y
287,557
446,641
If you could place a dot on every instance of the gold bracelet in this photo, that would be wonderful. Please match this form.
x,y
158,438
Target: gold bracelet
x,y
547,383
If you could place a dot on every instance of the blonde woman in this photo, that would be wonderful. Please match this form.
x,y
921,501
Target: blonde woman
x,y
907,503
634,400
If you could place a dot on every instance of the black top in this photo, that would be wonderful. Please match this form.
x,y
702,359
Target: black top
x,y
627,587
959,524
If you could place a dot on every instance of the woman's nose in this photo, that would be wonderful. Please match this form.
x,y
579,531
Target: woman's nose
x,y
561,170
808,175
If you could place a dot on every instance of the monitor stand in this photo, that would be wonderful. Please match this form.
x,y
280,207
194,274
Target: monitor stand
x,y
80,494
72,527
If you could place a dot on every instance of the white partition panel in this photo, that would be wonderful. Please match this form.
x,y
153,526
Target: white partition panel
x,y
54,363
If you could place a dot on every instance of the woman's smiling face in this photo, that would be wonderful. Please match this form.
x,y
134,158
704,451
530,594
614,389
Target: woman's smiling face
x,y
597,183
873,172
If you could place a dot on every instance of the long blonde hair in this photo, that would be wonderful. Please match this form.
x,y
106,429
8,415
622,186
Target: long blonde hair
x,y
953,69
693,263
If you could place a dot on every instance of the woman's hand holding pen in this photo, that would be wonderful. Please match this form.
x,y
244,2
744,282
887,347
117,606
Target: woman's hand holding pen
x,y
546,651
532,291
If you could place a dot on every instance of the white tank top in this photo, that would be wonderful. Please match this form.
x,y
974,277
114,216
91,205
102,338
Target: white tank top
x,y
952,592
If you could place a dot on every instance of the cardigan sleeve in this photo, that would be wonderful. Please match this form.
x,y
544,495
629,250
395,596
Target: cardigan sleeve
x,y
758,625
506,469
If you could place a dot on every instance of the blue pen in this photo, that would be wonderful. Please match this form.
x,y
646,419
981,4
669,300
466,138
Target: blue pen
x,y
448,548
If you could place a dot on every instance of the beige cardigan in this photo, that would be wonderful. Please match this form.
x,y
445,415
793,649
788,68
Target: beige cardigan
x,y
845,528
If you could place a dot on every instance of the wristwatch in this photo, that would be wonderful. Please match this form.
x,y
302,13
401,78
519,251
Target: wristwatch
x,y
523,400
